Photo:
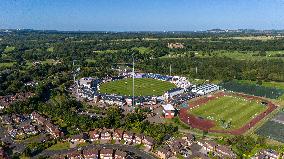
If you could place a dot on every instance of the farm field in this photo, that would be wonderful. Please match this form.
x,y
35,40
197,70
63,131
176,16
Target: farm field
x,y
238,55
229,112
143,87
246,55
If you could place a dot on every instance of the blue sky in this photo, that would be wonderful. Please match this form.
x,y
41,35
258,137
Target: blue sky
x,y
142,15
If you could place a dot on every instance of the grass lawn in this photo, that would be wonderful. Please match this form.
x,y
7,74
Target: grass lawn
x,y
232,109
60,146
9,49
50,49
49,61
142,49
7,64
176,122
83,144
143,87
90,60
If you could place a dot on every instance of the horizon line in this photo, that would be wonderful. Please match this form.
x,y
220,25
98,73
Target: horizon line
x,y
120,31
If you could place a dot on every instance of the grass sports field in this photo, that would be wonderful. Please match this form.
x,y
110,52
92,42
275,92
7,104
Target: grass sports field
x,y
143,87
229,112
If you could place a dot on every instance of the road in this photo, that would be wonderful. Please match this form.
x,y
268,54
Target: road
x,y
132,149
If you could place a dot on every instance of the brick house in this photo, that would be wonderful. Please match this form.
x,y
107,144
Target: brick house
x,y
95,135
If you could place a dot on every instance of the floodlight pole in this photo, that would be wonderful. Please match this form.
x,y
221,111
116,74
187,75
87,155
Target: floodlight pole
x,y
170,70
133,74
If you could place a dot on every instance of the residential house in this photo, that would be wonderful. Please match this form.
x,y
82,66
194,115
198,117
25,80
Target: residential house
x,y
59,157
75,155
199,155
148,142
270,154
91,154
128,137
129,157
95,135
118,134
29,129
207,145
195,148
80,138
185,152
6,119
225,151
177,145
106,154
120,154
189,138
106,134
138,139
17,118
175,45
164,152
5,101
53,129
38,118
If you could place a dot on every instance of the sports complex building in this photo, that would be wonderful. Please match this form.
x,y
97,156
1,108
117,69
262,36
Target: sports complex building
x,y
181,91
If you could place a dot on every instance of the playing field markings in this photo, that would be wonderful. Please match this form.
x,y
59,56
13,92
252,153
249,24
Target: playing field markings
x,y
235,107
229,108
233,111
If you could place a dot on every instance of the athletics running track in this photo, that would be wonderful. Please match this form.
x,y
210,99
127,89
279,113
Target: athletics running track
x,y
206,125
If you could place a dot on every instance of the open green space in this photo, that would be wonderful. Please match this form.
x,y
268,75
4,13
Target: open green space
x,y
142,49
50,49
238,55
229,112
243,55
60,146
143,87
9,49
